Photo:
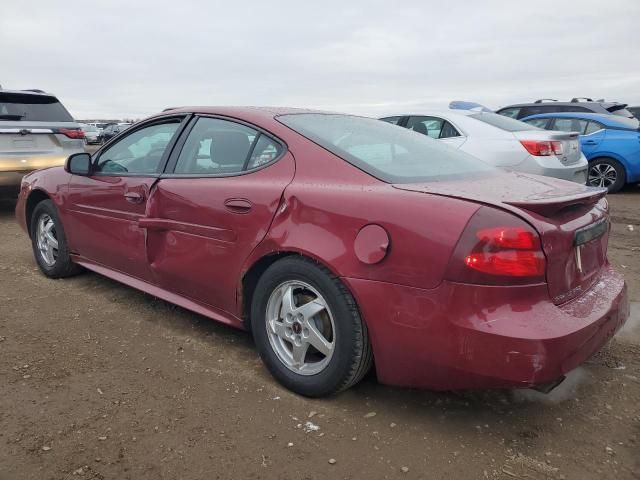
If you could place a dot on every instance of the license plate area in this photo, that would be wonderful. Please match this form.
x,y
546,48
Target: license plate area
x,y
590,248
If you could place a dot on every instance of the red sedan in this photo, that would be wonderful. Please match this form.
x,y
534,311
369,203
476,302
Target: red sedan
x,y
340,242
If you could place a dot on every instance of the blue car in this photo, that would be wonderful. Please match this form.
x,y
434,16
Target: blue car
x,y
610,143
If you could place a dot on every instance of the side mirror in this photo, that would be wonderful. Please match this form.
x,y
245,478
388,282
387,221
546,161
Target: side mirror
x,y
78,164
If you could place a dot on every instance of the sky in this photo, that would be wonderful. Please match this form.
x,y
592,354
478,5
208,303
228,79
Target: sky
x,y
130,59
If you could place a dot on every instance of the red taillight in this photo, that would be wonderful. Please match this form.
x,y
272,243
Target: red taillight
x,y
556,146
505,254
539,148
510,263
71,133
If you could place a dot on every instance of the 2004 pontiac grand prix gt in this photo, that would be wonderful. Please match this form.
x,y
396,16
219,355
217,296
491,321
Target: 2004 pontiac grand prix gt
x,y
340,242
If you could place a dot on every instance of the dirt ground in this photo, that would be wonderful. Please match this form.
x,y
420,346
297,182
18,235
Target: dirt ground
x,y
100,381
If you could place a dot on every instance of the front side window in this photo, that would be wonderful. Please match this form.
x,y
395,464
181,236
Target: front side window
x,y
391,154
139,152
221,147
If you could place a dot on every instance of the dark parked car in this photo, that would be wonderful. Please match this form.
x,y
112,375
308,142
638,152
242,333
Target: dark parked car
x,y
548,105
111,130
339,239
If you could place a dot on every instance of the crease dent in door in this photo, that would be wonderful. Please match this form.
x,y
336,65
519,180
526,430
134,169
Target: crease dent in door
x,y
197,245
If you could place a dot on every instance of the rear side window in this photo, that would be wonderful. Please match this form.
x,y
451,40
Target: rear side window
x,y
570,125
538,122
37,108
433,127
393,120
221,147
536,109
593,127
502,122
566,108
513,112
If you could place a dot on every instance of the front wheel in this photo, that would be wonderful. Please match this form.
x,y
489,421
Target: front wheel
x,y
308,329
607,173
49,242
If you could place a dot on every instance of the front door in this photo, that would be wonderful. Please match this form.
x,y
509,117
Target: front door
x,y
104,208
207,215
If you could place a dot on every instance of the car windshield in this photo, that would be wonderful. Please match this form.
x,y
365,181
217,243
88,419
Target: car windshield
x,y
389,153
503,123
25,107
89,128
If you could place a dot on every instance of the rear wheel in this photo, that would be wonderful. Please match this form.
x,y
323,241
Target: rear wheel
x,y
49,242
308,329
607,173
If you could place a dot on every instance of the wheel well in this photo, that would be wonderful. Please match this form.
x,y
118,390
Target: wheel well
x,y
34,199
250,281
611,159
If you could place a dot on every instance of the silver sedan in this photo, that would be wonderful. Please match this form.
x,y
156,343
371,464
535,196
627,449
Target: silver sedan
x,y
503,142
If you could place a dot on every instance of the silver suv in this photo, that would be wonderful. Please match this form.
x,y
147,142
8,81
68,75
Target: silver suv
x,y
36,131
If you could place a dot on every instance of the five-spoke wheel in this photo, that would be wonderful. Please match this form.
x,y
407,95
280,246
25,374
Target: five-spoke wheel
x,y
300,327
308,329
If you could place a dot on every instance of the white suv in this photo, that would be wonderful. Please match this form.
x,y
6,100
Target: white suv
x,y
36,131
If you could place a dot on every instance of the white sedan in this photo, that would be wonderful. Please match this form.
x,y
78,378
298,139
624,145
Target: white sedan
x,y
503,142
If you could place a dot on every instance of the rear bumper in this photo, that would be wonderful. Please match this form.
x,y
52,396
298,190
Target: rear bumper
x,y
551,166
467,336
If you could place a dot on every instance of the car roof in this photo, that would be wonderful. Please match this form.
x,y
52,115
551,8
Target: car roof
x,y
564,104
605,119
33,92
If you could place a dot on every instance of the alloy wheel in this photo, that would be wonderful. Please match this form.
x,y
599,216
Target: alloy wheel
x,y
300,327
602,175
47,240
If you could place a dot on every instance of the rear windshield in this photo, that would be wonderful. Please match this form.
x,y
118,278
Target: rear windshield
x,y
389,153
631,123
40,108
502,122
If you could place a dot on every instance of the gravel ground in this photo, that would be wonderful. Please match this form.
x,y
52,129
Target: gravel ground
x,y
100,381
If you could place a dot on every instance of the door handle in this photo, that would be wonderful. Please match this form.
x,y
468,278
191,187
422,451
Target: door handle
x,y
238,205
134,197
590,142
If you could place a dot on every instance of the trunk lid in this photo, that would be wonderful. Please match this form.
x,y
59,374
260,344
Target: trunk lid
x,y
571,219
570,142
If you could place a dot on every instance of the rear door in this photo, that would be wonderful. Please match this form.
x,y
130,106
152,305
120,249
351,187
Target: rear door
x,y
212,208
104,208
591,132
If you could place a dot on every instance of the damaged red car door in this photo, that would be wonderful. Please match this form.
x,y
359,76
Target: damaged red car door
x,y
211,208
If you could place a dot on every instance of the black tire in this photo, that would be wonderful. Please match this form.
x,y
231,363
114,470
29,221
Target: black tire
x,y
352,355
600,164
62,266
